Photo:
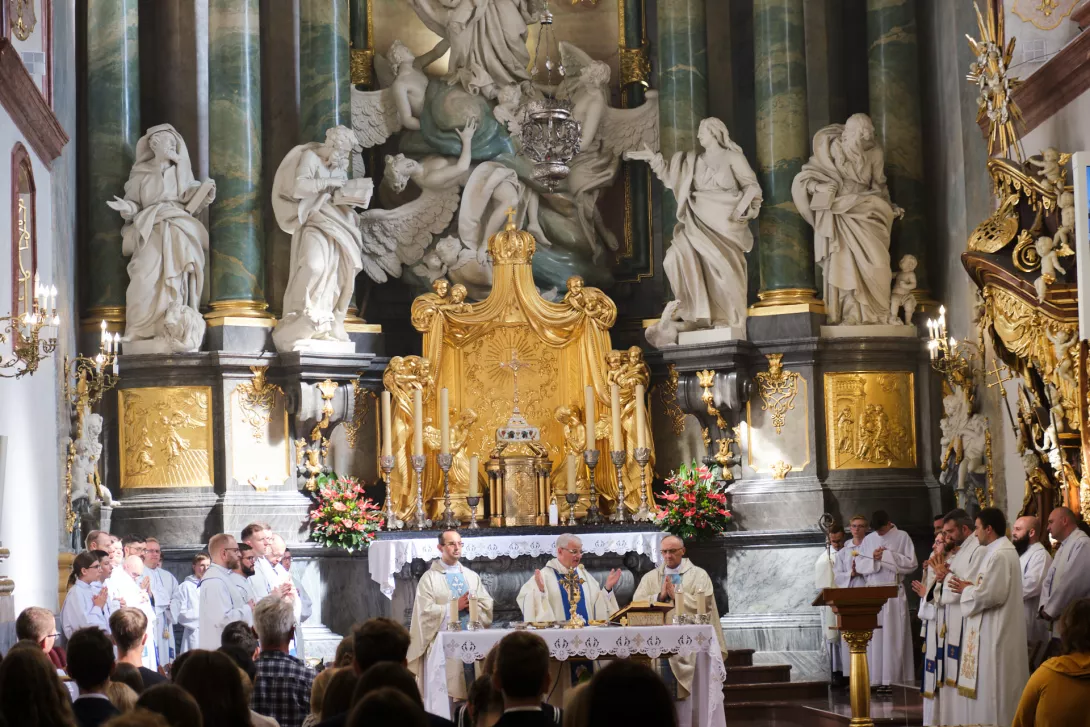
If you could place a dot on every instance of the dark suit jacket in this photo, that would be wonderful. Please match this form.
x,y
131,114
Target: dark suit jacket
x,y
151,678
340,719
525,719
92,711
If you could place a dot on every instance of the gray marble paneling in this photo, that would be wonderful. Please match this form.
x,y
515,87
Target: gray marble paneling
x,y
776,504
773,631
806,666
285,511
772,580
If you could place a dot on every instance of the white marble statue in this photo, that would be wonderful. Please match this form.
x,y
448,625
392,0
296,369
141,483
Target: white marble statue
x,y
87,486
166,244
1049,253
486,38
1063,340
841,192
963,437
313,199
901,298
717,195
377,115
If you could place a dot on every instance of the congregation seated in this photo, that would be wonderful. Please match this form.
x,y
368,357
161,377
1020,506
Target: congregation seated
x,y
1058,691
31,693
283,683
128,675
388,706
129,627
138,718
90,663
317,695
610,703
122,696
39,625
215,682
338,695
174,704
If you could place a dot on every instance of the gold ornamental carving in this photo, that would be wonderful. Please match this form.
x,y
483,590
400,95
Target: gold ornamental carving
x,y
565,344
778,389
635,65
166,437
870,419
1010,179
1043,14
780,470
706,380
667,392
365,400
361,61
255,400
23,18
993,234
990,73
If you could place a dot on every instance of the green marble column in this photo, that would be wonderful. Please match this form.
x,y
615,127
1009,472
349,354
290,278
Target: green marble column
x,y
112,99
324,77
783,146
236,233
683,86
894,81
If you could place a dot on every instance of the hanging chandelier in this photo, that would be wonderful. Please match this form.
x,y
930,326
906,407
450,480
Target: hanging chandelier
x,y
550,134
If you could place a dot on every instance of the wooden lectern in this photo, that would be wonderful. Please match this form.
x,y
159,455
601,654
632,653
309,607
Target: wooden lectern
x,y
856,612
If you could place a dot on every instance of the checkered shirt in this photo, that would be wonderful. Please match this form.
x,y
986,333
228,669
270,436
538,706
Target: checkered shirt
x,y
282,688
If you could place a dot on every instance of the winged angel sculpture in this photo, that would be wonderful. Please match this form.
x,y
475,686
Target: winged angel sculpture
x,y
460,148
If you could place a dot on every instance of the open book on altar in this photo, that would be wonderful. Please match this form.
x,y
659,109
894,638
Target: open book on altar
x,y
642,613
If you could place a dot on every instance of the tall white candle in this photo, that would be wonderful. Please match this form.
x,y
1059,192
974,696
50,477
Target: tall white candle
x,y
444,421
418,423
387,426
571,473
641,417
454,611
473,465
474,614
588,394
701,603
615,406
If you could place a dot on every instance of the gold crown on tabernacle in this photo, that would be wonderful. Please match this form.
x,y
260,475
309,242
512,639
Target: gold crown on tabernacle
x,y
511,245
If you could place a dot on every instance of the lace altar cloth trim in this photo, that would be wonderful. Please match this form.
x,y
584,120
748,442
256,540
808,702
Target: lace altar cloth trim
x,y
387,557
594,643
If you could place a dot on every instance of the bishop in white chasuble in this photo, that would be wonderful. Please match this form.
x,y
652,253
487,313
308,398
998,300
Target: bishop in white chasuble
x,y
993,669
447,580
886,556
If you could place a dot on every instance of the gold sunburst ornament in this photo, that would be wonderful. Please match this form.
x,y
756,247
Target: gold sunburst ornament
x,y
990,73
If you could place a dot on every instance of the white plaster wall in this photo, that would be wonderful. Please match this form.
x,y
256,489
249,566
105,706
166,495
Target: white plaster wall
x,y
1068,130
30,514
1035,45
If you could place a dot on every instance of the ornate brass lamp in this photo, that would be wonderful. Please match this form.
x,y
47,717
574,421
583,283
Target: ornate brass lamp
x,y
30,344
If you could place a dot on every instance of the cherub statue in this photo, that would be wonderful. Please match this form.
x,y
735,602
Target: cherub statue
x,y
1055,405
1062,238
1051,168
904,283
166,242
1050,263
314,200
464,266
591,301
665,332
507,110
430,267
399,236
1062,341
1050,448
87,488
458,298
378,115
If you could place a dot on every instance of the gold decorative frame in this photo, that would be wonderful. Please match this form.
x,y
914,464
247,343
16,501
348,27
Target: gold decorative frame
x,y
778,389
882,442
758,468
166,437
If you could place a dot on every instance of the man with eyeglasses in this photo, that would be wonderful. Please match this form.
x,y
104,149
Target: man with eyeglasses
x,y
677,575
446,580
40,626
544,599
163,587
220,601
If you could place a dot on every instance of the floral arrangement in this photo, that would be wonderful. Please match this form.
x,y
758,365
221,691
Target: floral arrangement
x,y
342,517
694,504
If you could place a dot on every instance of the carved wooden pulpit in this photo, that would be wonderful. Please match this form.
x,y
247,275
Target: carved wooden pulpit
x,y
856,612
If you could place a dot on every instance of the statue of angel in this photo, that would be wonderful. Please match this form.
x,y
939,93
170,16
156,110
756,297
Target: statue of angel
x,y
378,115
166,242
484,36
1050,264
87,488
313,199
607,133
400,236
460,428
509,98
1062,341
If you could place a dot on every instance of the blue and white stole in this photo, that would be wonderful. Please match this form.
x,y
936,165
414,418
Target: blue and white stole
x,y
580,609
456,582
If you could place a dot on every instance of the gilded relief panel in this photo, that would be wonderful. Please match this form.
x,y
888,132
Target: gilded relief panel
x,y
259,436
166,437
778,441
870,419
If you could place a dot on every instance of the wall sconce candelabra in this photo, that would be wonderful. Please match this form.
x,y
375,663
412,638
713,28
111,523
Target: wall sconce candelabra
x,y
950,357
30,343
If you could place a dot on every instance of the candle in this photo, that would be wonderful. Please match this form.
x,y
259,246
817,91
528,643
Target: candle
x,y
37,286
679,599
103,327
641,417
473,465
115,365
474,615
615,407
571,474
701,603
588,394
418,423
444,421
53,298
454,611
387,428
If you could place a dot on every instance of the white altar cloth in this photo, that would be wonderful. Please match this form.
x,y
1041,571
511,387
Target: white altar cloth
x,y
593,643
386,557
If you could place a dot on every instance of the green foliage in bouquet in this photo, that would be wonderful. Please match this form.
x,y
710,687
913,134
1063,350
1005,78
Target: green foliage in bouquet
x,y
694,506
342,516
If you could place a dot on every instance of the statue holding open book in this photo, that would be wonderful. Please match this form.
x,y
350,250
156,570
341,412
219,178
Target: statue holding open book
x,y
314,200
166,245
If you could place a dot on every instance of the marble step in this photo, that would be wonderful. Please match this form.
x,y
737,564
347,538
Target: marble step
x,y
759,674
773,692
739,657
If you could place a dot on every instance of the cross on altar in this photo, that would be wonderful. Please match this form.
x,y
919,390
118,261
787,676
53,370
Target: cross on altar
x,y
514,365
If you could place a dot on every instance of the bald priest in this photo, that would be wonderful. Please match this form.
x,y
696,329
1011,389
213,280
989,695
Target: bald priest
x,y
678,575
447,580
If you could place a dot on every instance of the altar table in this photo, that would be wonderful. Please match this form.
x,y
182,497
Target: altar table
x,y
386,557
593,643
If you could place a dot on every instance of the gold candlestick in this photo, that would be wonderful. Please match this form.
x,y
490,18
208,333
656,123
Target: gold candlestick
x,y
642,455
420,520
386,461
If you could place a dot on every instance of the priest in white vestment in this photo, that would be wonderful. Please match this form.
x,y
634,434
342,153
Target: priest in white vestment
x,y
845,575
993,670
662,584
958,529
1035,561
825,577
163,587
447,580
932,628
185,606
132,589
885,557
1068,578
220,601
543,599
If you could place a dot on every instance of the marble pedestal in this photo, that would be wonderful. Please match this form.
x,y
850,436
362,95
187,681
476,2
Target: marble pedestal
x,y
711,335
